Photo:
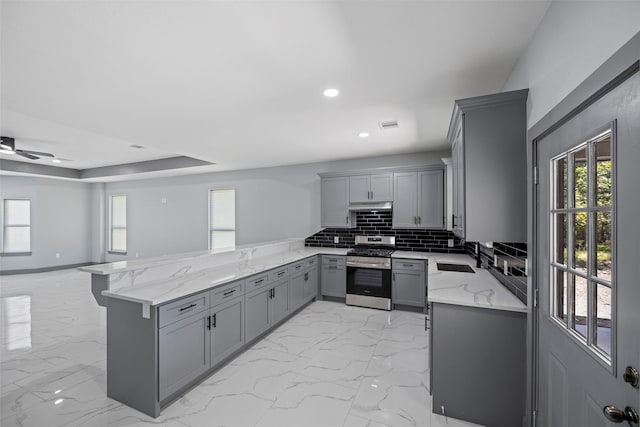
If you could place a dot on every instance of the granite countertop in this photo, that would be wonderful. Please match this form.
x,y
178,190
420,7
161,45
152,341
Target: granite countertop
x,y
162,291
474,290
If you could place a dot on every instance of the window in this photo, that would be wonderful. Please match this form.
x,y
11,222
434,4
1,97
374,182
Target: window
x,y
582,259
17,226
222,218
118,237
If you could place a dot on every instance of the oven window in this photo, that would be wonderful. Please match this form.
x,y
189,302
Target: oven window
x,y
367,278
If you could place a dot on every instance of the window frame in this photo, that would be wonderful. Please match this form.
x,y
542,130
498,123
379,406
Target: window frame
x,y
211,228
110,250
5,226
588,343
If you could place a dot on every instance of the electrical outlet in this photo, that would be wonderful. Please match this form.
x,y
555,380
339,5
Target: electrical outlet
x,y
57,255
450,243
336,239
163,200
137,254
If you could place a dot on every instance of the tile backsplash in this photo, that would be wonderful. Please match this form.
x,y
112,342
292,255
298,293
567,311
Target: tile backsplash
x,y
507,263
379,223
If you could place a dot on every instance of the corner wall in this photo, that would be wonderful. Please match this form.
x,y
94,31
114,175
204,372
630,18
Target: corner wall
x,y
572,41
60,221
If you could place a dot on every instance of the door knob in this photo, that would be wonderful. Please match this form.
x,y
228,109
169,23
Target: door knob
x,y
616,415
631,376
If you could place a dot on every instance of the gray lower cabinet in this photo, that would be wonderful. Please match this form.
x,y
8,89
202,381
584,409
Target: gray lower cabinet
x,y
150,360
279,302
265,308
227,329
334,281
478,364
311,284
409,282
183,353
257,313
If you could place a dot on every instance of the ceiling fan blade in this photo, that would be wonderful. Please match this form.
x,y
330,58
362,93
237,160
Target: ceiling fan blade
x,y
27,155
38,153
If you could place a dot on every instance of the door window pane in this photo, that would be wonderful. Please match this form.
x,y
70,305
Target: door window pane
x,y
603,318
580,241
561,168
560,294
603,171
580,304
560,223
603,246
580,178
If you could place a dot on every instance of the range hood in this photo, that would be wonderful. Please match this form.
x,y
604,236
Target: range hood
x,y
376,206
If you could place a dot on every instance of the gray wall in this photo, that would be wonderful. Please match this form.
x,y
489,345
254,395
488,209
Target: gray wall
x,y
271,204
573,40
60,221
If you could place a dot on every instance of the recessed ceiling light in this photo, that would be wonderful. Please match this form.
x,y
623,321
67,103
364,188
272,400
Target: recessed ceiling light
x,y
56,161
330,93
363,135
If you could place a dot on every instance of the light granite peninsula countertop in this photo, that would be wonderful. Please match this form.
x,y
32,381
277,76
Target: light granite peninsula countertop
x,y
167,289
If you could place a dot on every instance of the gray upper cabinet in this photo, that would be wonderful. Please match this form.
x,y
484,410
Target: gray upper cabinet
x,y
418,199
335,203
371,188
488,141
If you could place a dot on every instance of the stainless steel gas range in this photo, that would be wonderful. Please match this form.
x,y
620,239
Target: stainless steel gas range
x,y
369,272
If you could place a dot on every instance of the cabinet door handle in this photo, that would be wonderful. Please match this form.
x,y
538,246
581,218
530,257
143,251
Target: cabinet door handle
x,y
257,282
281,274
394,277
229,292
419,220
187,307
332,267
306,276
407,265
347,219
214,320
209,322
453,220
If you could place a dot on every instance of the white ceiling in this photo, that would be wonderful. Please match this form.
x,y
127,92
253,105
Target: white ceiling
x,y
240,83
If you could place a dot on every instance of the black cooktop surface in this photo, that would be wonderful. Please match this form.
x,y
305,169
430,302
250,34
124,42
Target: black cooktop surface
x,y
380,252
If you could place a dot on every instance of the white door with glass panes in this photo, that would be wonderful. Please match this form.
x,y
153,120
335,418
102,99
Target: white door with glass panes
x,y
587,227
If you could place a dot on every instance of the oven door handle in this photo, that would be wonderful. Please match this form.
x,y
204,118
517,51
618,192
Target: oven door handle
x,y
363,265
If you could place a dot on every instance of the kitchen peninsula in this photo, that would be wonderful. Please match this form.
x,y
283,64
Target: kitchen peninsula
x,y
174,320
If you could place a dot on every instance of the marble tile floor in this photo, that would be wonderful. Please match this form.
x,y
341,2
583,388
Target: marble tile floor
x,y
330,365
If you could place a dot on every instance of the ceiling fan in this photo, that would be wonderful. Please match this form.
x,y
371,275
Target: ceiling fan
x,y
9,144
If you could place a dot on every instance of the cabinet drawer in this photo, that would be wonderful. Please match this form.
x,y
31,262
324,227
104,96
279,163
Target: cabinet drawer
x,y
310,262
278,273
225,293
408,264
296,267
256,282
333,260
182,308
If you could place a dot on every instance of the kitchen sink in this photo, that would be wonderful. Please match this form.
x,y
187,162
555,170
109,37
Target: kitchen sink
x,y
461,268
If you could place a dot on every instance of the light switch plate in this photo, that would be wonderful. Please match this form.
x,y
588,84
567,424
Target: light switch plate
x,y
336,239
450,243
